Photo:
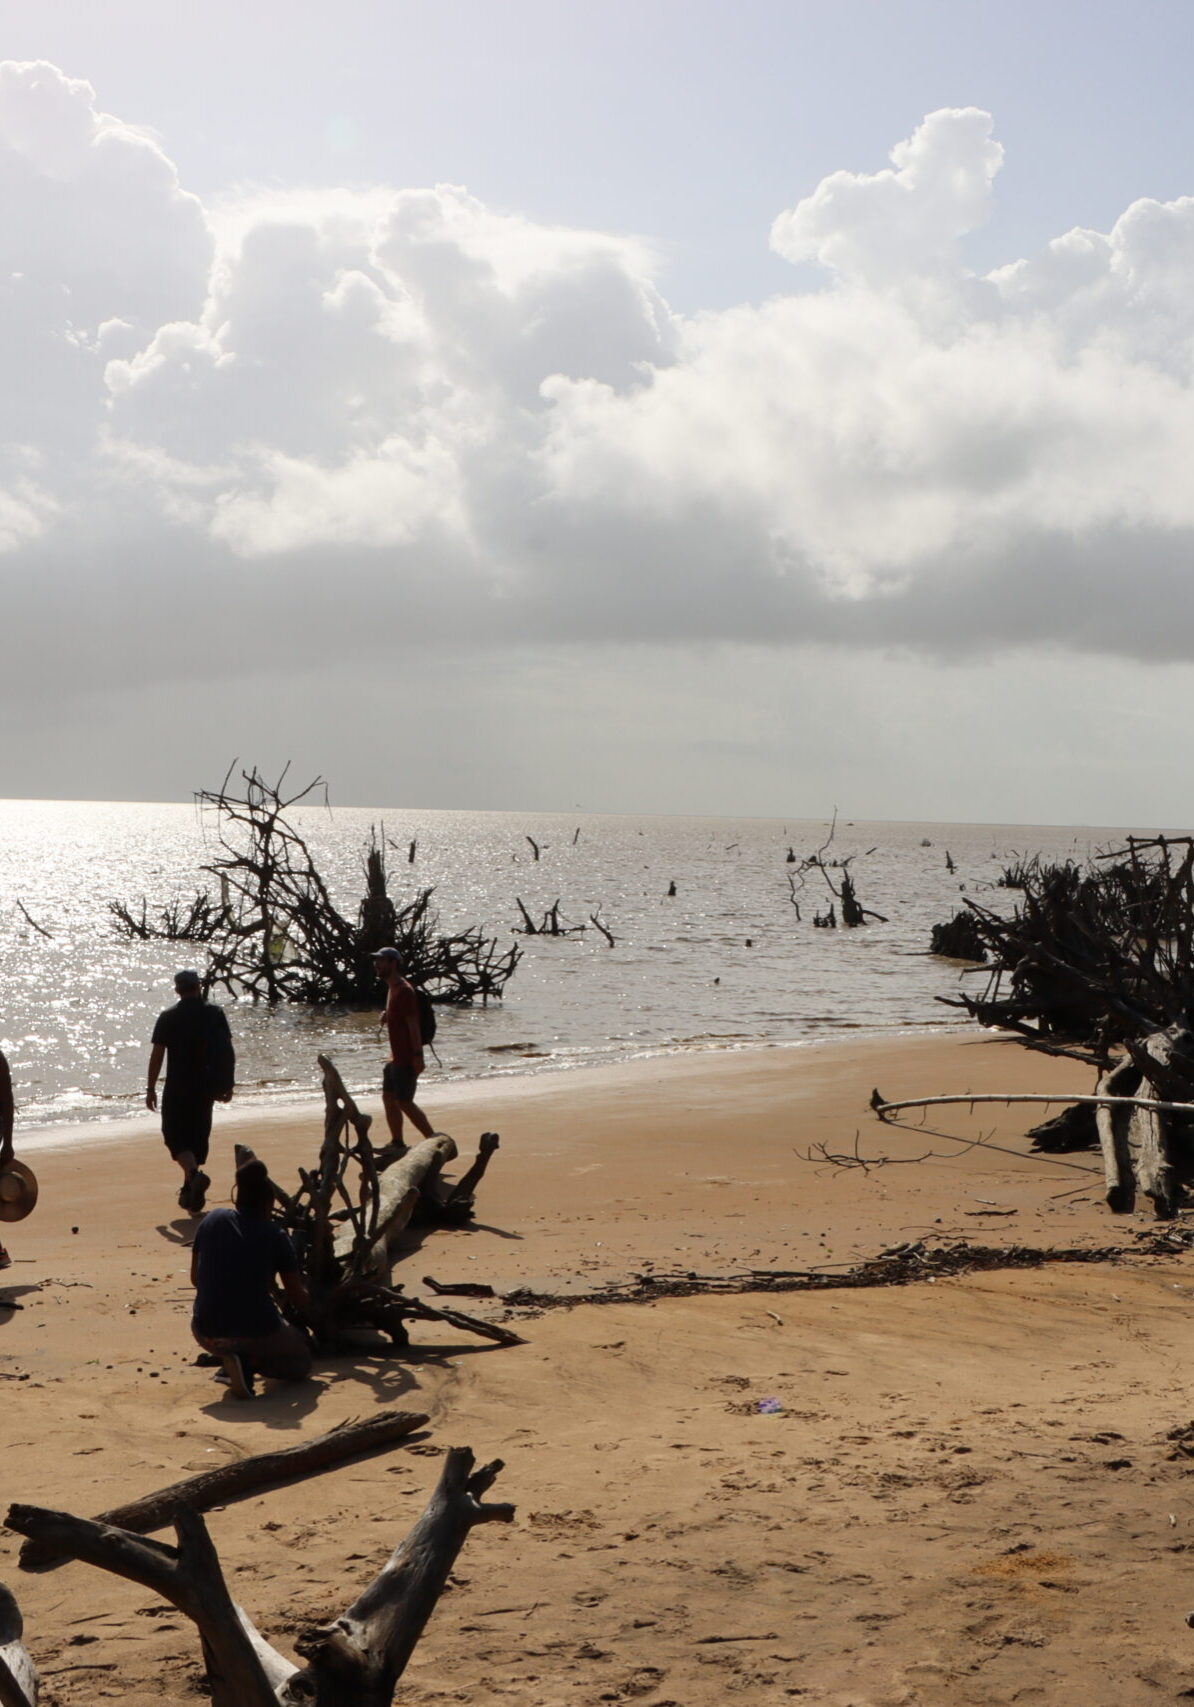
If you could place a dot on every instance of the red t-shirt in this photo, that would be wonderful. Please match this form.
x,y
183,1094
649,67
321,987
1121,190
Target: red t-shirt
x,y
402,1023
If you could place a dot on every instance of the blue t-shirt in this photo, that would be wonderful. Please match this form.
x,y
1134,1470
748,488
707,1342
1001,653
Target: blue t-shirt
x,y
236,1258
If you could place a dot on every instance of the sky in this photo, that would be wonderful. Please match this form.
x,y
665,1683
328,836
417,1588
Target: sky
x,y
661,407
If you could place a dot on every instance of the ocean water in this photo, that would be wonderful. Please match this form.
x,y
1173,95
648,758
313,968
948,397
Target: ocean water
x,y
724,963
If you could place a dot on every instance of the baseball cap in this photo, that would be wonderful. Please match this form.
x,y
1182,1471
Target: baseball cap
x,y
187,979
385,954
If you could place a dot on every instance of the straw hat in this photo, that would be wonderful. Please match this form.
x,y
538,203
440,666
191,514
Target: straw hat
x,y
18,1191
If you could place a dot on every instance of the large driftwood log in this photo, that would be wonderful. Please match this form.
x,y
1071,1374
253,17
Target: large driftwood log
x,y
242,1669
398,1191
1166,1064
354,1662
360,1657
245,1475
18,1674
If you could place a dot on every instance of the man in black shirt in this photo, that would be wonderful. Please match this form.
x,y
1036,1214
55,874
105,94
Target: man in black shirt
x,y
193,1039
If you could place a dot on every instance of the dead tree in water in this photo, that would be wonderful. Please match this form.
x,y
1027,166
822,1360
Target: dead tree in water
x,y
959,938
278,936
198,920
354,1661
843,891
1096,962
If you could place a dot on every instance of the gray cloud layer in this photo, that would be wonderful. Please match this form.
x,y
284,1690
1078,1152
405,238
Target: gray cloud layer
x,y
305,427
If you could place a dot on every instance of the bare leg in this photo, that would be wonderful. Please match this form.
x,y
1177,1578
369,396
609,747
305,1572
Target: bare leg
x,y
393,1110
417,1118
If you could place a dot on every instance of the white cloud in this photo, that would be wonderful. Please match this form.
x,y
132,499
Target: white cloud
x,y
906,219
479,423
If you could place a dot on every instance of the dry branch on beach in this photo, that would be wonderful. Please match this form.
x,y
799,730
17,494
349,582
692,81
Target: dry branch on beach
x,y
244,1475
354,1661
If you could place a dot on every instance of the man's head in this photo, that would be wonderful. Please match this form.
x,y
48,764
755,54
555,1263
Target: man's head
x,y
188,982
252,1193
387,963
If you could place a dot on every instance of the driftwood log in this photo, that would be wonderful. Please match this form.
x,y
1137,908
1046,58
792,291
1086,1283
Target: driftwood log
x,y
355,1661
244,1475
348,1212
399,1189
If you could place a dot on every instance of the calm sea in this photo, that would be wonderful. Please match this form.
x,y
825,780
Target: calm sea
x,y
722,964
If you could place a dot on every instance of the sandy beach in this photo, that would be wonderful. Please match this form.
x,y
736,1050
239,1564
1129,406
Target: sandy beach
x,y
965,1495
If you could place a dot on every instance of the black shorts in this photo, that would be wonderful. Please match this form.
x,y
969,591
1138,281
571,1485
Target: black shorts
x,y
400,1081
186,1123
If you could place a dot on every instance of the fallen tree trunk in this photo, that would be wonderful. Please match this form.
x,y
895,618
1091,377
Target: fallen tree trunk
x,y
398,1190
355,1661
245,1475
1163,1056
360,1657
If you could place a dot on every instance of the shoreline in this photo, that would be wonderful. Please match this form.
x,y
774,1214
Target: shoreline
x,y
289,1106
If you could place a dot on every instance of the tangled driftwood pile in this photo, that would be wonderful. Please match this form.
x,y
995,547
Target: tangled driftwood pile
x,y
349,1212
1096,962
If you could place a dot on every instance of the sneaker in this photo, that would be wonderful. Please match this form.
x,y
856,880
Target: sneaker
x,y
240,1385
198,1184
5,1259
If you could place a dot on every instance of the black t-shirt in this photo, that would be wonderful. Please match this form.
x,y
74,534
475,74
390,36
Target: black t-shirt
x,y
195,1035
237,1257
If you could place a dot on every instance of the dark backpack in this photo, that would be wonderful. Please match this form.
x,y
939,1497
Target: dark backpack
x,y
219,1057
427,1019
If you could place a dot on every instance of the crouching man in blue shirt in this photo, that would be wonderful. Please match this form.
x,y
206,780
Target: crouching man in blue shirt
x,y
235,1257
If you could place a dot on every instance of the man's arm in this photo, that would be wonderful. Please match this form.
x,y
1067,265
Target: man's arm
x,y
7,1111
156,1056
295,1288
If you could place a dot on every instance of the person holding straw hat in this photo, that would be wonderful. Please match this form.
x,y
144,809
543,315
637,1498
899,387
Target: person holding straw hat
x,y
18,1187
7,1116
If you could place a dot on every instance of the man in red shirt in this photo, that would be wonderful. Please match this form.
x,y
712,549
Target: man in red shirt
x,y
400,1077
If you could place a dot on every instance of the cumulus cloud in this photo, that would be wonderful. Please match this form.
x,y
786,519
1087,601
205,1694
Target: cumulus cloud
x,y
350,418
